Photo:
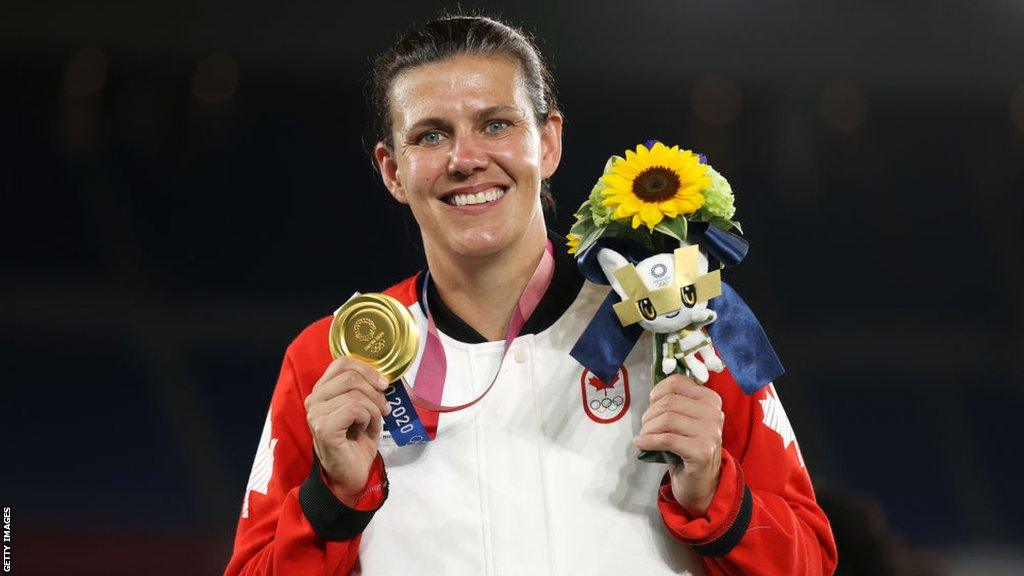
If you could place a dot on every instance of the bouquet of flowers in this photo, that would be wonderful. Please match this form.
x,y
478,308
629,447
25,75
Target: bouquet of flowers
x,y
660,187
658,227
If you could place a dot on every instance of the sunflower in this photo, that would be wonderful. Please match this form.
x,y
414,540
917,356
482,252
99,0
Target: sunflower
x,y
654,183
573,242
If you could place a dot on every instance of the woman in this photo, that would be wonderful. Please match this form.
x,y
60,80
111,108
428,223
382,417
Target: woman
x,y
532,480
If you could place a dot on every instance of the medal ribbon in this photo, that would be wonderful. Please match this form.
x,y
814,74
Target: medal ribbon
x,y
404,422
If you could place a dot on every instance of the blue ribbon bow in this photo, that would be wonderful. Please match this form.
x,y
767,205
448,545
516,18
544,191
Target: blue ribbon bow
x,y
737,334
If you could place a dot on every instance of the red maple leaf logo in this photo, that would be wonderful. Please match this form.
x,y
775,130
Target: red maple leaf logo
x,y
599,384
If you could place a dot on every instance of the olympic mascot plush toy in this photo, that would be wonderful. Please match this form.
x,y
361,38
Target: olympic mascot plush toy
x,y
658,228
668,294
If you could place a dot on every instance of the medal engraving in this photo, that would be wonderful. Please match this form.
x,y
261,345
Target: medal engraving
x,y
377,329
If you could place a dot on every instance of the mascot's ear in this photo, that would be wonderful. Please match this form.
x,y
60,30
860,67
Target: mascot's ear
x,y
610,261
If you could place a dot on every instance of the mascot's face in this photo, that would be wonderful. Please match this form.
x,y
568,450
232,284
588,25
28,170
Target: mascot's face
x,y
665,292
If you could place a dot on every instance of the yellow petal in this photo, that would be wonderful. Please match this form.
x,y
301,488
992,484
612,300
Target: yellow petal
x,y
627,170
616,181
643,154
656,159
690,203
636,220
669,208
688,189
651,215
623,211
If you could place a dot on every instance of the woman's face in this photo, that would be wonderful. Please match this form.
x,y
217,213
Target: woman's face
x,y
468,155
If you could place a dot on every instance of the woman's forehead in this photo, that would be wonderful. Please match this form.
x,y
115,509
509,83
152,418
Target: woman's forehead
x,y
459,85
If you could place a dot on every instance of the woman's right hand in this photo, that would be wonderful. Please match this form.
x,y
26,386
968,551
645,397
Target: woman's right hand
x,y
345,414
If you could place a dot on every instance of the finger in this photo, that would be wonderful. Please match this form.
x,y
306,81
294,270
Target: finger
x,y
354,397
329,427
689,449
345,363
670,384
678,445
681,425
682,406
359,414
674,384
684,386
340,384
329,405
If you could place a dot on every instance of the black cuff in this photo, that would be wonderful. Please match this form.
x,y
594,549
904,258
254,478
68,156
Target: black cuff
x,y
727,541
328,516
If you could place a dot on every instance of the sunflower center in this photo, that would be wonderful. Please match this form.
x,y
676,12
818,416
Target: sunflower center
x,y
656,184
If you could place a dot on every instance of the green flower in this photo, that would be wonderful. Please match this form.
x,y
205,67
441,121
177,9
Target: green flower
x,y
601,214
718,196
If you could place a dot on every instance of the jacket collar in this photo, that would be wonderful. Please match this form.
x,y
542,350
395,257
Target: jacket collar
x,y
565,286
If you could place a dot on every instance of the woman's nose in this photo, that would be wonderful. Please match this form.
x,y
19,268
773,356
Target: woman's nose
x,y
466,156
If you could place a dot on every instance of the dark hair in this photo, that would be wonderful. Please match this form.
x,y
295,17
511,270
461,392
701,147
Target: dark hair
x,y
449,36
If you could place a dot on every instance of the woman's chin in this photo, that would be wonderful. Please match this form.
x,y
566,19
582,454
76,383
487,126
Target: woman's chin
x,y
479,243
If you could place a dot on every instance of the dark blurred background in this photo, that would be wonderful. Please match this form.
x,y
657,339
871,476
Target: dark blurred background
x,y
183,184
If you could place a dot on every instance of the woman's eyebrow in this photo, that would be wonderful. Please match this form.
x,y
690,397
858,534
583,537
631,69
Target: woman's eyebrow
x,y
443,124
496,110
432,122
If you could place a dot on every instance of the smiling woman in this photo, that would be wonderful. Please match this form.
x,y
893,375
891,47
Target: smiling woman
x,y
469,157
468,134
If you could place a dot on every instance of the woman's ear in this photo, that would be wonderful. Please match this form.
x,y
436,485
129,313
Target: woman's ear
x,y
551,144
388,167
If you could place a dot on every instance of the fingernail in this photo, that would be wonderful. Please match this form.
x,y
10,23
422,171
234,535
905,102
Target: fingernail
x,y
384,383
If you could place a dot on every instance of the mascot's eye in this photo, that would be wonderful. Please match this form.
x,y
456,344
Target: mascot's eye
x,y
647,309
689,295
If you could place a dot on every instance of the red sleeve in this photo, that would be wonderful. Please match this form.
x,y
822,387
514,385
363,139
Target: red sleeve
x,y
291,523
763,518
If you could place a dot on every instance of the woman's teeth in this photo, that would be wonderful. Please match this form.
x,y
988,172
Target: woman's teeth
x,y
489,195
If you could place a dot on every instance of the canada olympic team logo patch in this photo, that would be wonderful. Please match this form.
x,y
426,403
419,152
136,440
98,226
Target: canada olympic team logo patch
x,y
604,402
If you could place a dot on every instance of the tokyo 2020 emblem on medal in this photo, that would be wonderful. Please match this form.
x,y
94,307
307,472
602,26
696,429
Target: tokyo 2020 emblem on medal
x,y
377,329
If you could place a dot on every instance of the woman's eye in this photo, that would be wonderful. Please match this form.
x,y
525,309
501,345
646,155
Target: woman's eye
x,y
430,138
496,126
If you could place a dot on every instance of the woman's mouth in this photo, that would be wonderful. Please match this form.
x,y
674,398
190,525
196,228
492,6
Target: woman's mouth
x,y
483,197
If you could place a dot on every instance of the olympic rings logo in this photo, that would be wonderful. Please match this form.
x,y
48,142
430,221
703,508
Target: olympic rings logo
x,y
612,404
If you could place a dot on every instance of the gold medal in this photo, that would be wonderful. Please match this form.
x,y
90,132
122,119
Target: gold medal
x,y
376,329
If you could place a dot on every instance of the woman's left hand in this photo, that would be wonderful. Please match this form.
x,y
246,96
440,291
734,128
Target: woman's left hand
x,y
686,419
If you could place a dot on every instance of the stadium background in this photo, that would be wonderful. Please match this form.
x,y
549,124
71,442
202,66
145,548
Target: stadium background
x,y
184,187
